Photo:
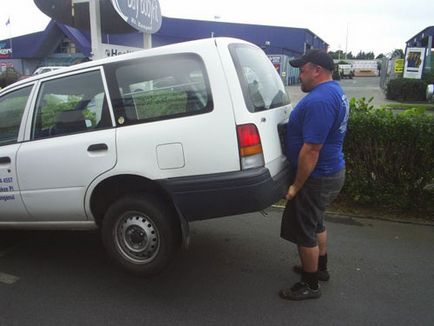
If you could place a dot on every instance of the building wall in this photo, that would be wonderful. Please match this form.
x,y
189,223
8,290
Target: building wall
x,y
38,49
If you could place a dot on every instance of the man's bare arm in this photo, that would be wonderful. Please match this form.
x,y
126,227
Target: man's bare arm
x,y
307,160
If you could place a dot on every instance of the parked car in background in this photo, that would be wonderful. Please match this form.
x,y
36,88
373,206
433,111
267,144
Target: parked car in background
x,y
42,70
346,71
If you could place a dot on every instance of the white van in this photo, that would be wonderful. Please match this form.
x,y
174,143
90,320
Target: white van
x,y
142,144
346,71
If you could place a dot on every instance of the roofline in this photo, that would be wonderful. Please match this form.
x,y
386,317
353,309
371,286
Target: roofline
x,y
248,24
411,38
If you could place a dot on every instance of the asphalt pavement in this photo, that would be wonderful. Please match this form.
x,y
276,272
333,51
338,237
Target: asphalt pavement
x,y
381,274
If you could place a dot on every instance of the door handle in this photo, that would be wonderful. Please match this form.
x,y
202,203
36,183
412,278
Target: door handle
x,y
5,160
97,147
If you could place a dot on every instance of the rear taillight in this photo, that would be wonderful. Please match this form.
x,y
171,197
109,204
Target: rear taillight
x,y
249,141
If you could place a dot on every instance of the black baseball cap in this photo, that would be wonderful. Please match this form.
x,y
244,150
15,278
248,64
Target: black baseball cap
x,y
316,57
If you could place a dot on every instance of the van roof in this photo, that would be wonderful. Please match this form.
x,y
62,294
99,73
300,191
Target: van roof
x,y
171,48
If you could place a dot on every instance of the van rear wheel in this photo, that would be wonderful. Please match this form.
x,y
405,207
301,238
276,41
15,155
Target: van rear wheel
x,y
141,234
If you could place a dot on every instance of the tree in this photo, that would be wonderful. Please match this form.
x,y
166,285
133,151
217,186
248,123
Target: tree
x,y
370,56
337,54
360,55
365,55
398,53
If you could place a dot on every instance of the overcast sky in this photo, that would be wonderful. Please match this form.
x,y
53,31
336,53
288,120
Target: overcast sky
x,y
373,25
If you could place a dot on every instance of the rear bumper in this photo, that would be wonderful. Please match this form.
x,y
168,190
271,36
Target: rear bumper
x,y
208,196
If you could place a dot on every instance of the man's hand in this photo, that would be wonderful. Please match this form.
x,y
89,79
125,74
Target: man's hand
x,y
307,160
292,191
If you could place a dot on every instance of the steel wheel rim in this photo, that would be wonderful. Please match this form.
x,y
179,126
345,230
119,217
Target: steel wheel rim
x,y
137,238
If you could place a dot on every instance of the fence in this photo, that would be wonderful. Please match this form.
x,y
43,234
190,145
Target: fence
x,y
388,71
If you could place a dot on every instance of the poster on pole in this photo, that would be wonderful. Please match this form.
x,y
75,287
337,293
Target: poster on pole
x,y
5,49
399,66
414,62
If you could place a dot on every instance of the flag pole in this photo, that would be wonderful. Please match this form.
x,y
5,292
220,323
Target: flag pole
x,y
8,24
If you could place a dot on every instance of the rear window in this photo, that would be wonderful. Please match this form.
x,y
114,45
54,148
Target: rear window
x,y
262,87
159,88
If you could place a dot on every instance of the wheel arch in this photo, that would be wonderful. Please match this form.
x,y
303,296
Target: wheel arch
x,y
115,187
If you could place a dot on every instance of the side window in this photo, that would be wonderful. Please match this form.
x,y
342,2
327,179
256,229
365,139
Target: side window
x,y
12,106
160,88
71,104
261,84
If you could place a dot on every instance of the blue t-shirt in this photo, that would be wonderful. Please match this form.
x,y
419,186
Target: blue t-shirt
x,y
321,117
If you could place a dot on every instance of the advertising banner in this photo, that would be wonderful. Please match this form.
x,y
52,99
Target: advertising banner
x,y
275,60
414,61
5,49
399,66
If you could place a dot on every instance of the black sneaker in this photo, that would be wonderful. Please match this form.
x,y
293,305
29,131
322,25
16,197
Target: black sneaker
x,y
322,275
300,291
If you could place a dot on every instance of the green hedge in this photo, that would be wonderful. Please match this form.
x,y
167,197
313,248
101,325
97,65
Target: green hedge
x,y
389,157
406,89
428,78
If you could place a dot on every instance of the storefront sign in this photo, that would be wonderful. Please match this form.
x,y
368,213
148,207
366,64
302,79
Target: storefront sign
x,y
414,61
5,50
399,66
275,58
112,50
143,15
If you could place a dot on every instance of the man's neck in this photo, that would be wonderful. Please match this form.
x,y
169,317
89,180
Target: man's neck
x,y
321,80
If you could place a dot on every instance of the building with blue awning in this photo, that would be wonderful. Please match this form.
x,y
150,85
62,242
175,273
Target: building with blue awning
x,y
63,45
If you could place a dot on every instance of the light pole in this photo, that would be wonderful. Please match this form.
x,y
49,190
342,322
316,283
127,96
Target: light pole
x,y
346,43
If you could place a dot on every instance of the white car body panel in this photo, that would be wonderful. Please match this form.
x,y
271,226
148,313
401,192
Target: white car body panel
x,y
57,175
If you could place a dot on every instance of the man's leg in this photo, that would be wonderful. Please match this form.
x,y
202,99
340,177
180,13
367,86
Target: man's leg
x,y
309,258
323,274
309,263
308,288
322,242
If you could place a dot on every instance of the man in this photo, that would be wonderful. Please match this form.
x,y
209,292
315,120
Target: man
x,y
315,135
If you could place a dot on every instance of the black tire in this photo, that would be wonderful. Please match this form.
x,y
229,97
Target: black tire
x,y
141,234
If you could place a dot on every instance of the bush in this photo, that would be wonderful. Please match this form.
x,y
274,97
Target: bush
x,y
428,78
389,157
8,77
406,89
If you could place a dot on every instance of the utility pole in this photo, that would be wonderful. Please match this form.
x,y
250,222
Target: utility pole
x,y
428,61
95,28
346,43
